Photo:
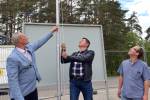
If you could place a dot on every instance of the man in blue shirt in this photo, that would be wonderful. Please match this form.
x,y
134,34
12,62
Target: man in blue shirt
x,y
134,76
21,67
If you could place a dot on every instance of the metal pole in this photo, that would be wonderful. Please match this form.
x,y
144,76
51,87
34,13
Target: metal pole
x,y
58,50
104,67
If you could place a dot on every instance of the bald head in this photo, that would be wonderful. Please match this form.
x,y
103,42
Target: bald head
x,y
19,39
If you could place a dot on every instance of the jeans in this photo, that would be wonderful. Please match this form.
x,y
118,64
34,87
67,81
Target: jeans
x,y
125,98
77,86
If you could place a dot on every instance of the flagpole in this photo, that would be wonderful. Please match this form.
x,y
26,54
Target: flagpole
x,y
58,50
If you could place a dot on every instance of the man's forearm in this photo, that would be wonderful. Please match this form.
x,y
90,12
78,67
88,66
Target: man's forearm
x,y
146,87
120,80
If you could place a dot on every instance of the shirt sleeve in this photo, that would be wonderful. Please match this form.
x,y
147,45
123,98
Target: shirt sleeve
x,y
82,58
146,73
12,73
66,60
120,69
37,44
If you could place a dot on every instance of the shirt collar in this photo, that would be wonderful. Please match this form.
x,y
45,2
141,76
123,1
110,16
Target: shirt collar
x,y
134,62
83,51
21,50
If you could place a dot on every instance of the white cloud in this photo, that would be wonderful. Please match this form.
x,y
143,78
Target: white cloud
x,y
142,7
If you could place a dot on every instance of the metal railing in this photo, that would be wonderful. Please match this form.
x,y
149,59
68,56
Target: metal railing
x,y
113,60
4,52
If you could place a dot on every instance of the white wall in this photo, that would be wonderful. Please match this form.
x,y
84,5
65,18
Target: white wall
x,y
46,56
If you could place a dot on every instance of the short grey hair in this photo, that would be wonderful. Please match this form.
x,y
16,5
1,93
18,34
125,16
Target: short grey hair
x,y
15,38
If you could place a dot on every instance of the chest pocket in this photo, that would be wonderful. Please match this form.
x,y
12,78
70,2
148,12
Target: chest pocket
x,y
136,74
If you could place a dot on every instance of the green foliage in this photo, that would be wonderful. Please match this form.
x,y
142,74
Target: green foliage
x,y
107,13
119,33
132,23
148,33
132,40
113,61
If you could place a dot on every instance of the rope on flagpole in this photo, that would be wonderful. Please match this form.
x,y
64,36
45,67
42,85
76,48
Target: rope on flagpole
x,y
62,42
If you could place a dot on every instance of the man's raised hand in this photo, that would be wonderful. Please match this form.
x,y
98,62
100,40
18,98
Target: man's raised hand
x,y
54,29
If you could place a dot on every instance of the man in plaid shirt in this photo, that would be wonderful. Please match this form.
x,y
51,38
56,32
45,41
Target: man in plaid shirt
x,y
80,70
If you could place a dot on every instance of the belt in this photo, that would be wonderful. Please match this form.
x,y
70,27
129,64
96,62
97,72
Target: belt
x,y
78,78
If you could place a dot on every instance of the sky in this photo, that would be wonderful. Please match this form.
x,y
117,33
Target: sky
x,y
142,8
